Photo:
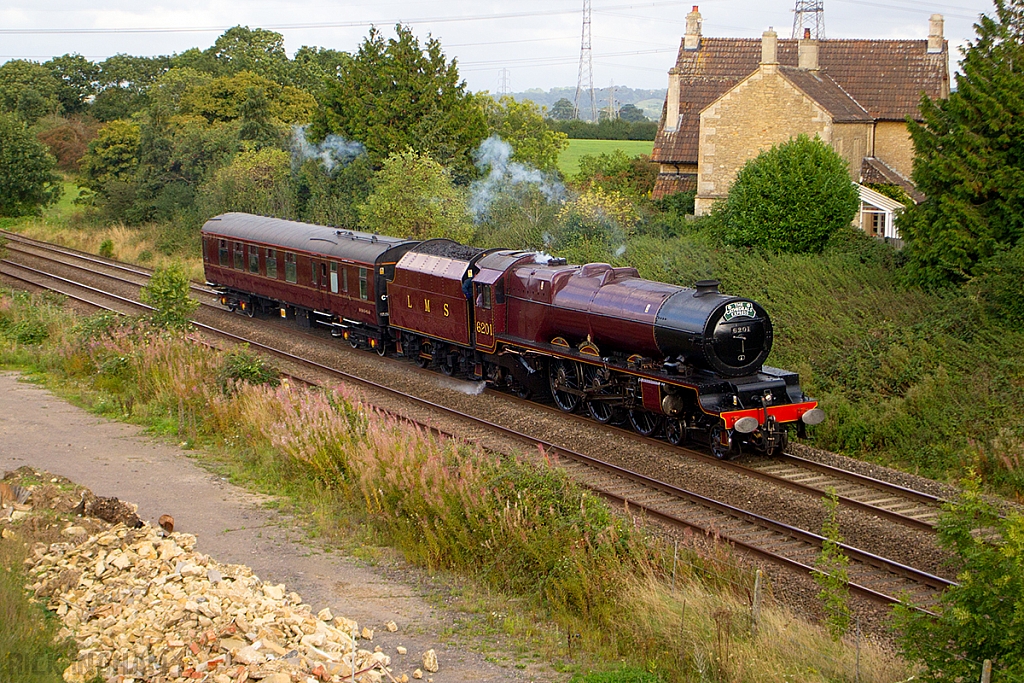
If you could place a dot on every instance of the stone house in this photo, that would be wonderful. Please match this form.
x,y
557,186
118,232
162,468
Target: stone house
x,y
731,98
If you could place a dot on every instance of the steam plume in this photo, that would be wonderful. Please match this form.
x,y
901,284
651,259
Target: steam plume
x,y
492,157
333,151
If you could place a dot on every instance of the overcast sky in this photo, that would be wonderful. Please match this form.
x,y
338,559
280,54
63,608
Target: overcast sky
x,y
536,41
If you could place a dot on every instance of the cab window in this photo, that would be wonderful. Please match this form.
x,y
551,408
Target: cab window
x,y
483,296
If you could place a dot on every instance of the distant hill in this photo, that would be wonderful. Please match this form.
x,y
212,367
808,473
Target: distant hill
x,y
650,101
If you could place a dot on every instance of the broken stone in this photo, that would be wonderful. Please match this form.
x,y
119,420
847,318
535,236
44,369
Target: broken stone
x,y
401,650
430,661
367,633
274,592
325,614
417,674
391,626
74,531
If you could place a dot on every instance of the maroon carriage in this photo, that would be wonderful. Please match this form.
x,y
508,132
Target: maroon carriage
x,y
315,274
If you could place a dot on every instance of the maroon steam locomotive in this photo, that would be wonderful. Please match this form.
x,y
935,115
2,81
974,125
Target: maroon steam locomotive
x,y
672,360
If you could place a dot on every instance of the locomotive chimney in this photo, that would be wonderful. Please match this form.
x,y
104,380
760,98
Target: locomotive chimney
x,y
706,287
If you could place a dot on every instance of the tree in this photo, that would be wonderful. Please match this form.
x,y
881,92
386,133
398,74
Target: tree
x,y
632,176
521,125
168,293
112,155
78,79
395,95
68,139
254,182
124,81
29,89
414,197
257,50
970,158
982,617
792,197
631,113
27,180
562,110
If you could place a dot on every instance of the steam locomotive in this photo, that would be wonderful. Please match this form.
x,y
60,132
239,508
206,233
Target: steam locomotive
x,y
676,361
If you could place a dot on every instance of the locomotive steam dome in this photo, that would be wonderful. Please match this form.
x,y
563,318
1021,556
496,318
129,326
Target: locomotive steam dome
x,y
729,334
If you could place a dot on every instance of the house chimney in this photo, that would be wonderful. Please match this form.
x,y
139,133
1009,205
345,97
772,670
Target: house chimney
x,y
808,52
769,47
691,41
672,110
935,38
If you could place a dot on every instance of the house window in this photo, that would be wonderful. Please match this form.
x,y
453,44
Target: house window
x,y
239,256
272,263
334,278
363,293
291,273
254,260
223,253
878,224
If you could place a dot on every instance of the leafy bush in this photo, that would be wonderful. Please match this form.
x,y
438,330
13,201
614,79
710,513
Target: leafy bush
x,y
1001,284
107,248
793,198
631,176
27,178
168,293
981,617
242,365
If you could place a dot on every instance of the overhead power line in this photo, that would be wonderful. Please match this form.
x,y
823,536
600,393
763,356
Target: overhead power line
x,y
322,25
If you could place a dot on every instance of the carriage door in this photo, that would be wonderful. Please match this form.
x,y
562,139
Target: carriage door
x,y
319,280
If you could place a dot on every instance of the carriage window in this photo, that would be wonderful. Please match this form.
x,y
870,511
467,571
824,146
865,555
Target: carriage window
x,y
334,278
254,260
344,279
312,273
239,256
223,253
362,284
271,263
291,272
483,296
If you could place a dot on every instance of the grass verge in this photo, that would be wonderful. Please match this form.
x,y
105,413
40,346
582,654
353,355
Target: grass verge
x,y
520,530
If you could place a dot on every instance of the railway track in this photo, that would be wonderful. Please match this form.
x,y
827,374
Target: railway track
x,y
882,499
872,576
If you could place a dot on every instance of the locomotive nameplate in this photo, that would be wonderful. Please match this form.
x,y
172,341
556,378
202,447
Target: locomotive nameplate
x,y
738,309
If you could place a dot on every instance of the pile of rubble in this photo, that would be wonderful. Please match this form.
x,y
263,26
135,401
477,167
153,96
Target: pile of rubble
x,y
143,605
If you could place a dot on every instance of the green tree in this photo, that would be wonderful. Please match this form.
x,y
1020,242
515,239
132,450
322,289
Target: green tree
x,y
168,293
124,82
413,196
632,176
78,78
562,110
983,616
29,89
256,50
970,157
396,95
255,181
522,125
792,197
112,155
631,113
316,67
27,180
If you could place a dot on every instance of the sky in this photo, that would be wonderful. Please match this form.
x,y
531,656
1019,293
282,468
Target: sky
x,y
500,46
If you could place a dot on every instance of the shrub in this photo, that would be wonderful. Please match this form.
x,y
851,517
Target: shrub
x,y
27,178
242,365
793,198
107,248
1001,284
168,293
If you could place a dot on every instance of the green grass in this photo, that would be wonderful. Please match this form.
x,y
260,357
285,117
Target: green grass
x,y
569,160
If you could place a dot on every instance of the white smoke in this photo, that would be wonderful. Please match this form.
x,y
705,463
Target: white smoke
x,y
333,151
492,157
542,258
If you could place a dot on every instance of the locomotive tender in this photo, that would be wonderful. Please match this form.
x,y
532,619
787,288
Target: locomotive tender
x,y
667,359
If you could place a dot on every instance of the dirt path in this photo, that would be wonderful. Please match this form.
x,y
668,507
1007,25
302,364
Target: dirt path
x,y
114,459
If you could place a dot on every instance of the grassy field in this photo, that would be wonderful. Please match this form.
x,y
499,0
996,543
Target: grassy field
x,y
569,161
